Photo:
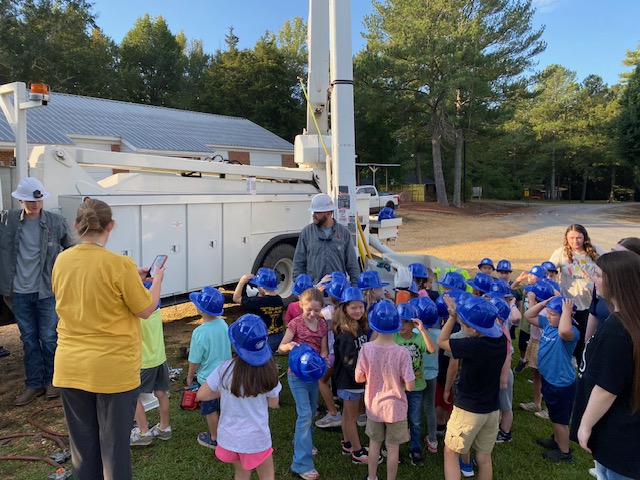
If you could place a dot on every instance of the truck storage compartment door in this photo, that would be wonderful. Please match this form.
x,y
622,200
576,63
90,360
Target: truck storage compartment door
x,y
125,237
164,232
236,238
204,242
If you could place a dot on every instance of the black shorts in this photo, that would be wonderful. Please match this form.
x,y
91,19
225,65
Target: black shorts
x,y
559,401
155,379
523,338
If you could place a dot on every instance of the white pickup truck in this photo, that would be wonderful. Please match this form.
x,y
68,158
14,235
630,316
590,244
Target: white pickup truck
x,y
377,201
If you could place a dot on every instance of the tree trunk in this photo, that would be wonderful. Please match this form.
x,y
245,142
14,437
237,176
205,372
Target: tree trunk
x,y
457,173
416,159
585,178
553,175
441,191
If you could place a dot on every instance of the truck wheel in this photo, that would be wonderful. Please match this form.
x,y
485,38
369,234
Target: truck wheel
x,y
280,259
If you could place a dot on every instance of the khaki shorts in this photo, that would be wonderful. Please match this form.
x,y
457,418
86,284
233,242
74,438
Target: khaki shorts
x,y
467,429
395,433
531,355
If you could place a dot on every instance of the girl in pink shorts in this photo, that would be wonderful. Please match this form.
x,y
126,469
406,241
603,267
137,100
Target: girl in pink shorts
x,y
247,386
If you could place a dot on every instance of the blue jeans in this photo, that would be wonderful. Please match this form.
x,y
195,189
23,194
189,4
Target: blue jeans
x,y
429,405
37,321
306,398
414,400
605,473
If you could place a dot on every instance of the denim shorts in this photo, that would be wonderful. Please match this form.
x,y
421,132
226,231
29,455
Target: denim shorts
x,y
351,395
209,406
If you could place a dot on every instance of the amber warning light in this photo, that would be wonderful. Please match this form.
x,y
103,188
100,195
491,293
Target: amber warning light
x,y
39,92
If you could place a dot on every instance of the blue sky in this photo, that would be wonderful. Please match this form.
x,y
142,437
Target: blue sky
x,y
586,36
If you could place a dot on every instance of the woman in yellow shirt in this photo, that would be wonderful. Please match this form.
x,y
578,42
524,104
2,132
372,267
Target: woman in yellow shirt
x,y
100,299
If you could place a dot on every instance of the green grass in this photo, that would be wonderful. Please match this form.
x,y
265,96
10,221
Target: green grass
x,y
183,458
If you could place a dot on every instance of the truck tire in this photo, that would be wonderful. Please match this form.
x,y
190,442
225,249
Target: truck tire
x,y
280,259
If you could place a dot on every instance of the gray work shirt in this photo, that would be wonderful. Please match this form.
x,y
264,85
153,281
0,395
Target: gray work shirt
x,y
27,278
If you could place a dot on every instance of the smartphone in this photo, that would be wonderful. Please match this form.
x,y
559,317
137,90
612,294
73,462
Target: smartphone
x,y
159,262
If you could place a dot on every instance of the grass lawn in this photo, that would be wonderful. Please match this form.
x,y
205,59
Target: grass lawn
x,y
183,458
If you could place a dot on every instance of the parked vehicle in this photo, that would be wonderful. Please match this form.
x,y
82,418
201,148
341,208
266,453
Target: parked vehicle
x,y
377,200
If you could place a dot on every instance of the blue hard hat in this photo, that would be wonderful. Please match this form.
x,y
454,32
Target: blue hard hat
x,y
463,297
553,284
481,315
504,310
482,282
454,281
443,310
427,311
549,266
265,278
303,282
486,261
555,304
306,363
370,279
418,270
406,311
539,271
210,301
335,276
384,318
499,288
542,290
414,287
337,287
352,294
248,336
386,213
504,266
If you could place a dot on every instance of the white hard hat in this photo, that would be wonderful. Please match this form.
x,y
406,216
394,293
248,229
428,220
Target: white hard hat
x,y
31,190
322,203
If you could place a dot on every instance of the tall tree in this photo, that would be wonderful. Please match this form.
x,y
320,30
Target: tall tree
x,y
152,63
628,125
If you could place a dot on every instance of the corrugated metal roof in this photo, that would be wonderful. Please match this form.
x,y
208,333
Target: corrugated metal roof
x,y
141,126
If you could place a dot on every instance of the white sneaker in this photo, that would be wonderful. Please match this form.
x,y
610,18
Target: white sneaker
x,y
329,421
165,434
593,472
138,438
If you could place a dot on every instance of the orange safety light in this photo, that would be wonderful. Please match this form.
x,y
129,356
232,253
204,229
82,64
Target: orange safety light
x,y
39,92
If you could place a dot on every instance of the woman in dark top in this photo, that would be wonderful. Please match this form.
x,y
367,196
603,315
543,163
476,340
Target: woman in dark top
x,y
606,416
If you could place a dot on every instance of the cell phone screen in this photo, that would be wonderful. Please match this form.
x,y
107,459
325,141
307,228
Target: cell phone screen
x,y
159,262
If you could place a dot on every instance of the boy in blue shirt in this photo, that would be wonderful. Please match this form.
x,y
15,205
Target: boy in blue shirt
x,y
557,343
210,346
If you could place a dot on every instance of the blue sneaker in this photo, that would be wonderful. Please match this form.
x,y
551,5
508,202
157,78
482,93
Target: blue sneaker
x,y
204,439
466,468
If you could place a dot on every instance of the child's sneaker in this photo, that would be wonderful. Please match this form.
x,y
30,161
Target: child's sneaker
x,y
137,438
204,439
466,468
416,458
345,448
362,420
558,456
530,407
165,434
521,364
361,457
544,414
432,447
330,421
548,443
503,436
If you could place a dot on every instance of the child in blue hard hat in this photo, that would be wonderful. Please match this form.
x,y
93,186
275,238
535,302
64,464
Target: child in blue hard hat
x,y
372,287
309,328
503,272
246,386
476,412
557,344
486,266
208,349
268,305
417,344
301,283
350,327
387,370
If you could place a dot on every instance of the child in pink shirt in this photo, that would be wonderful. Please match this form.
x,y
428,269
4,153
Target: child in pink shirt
x,y
388,371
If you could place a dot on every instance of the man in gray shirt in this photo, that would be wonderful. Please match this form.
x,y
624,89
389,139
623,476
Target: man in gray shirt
x,y
325,246
30,240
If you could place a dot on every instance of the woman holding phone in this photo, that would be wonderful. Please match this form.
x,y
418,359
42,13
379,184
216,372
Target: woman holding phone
x,y
100,299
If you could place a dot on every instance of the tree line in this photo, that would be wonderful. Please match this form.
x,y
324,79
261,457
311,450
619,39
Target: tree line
x,y
441,87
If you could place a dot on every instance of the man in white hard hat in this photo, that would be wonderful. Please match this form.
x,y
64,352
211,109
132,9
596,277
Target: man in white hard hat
x,y
325,245
30,240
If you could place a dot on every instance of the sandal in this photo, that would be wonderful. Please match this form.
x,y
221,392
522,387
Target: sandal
x,y
310,475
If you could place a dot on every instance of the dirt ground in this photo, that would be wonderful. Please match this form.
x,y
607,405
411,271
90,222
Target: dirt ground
x,y
460,236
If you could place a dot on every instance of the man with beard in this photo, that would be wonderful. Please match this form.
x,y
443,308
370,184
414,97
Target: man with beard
x,y
325,246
